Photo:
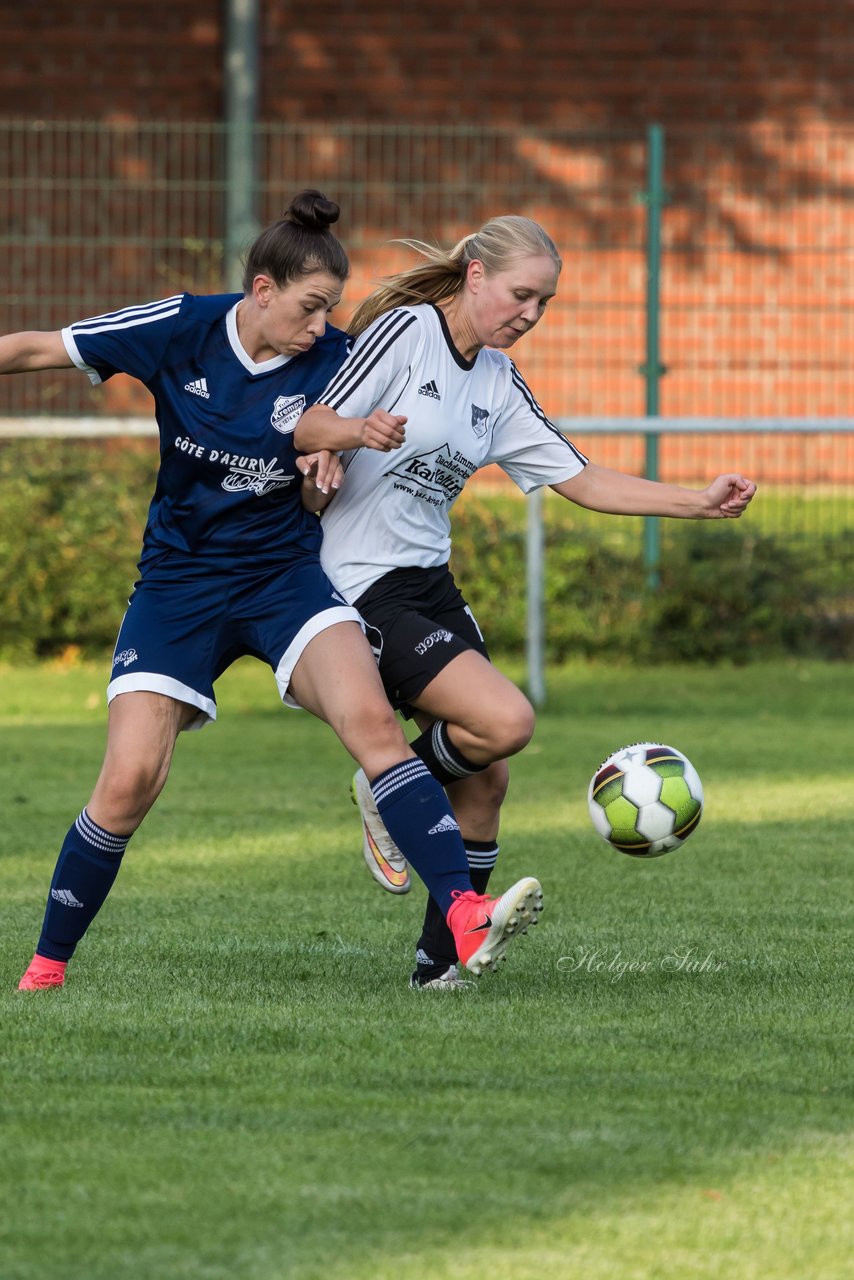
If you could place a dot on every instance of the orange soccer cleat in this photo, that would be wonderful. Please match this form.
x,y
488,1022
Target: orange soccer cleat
x,y
382,857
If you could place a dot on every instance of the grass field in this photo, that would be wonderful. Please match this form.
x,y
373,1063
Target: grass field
x,y
237,1083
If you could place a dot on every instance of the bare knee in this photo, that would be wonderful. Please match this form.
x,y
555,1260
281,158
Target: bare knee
x,y
517,727
375,737
508,728
124,794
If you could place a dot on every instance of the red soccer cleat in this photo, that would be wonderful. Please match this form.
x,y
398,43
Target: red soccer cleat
x,y
483,927
42,973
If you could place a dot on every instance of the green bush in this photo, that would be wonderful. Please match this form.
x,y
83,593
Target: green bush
x,y
72,515
71,521
726,591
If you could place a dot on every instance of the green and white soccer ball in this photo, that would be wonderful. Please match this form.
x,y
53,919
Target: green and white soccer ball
x,y
645,799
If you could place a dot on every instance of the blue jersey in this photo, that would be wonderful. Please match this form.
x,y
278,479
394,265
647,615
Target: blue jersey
x,y
228,488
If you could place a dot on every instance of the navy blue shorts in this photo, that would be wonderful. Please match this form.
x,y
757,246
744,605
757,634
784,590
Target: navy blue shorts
x,y
417,621
182,630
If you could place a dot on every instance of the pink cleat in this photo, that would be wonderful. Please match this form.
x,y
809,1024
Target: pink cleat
x,y
483,927
43,973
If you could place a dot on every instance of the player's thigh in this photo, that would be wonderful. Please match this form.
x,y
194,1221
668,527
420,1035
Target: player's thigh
x,y
336,679
280,617
472,693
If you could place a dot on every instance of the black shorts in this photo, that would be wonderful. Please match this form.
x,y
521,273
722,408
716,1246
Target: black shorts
x,y
417,621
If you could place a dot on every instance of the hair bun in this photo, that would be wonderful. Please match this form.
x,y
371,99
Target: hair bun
x,y
312,210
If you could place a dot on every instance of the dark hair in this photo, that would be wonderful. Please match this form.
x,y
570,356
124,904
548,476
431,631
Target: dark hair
x,y
299,244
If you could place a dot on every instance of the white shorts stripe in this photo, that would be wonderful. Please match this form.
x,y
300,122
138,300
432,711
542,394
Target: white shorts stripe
x,y
289,659
152,682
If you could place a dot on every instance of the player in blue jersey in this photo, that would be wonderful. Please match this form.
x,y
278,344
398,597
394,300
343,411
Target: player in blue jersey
x,y
428,372
230,566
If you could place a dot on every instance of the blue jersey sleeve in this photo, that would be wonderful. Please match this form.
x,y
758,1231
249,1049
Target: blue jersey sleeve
x,y
131,341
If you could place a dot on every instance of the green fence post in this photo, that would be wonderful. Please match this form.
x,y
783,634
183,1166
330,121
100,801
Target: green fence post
x,y
241,118
653,369
535,631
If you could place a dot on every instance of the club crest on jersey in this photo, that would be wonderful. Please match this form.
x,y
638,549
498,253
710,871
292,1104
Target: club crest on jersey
x,y
479,424
287,411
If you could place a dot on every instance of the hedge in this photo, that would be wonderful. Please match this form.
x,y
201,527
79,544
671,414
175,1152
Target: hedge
x,y
72,514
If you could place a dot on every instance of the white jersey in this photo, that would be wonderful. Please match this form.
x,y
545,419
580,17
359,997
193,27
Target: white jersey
x,y
393,508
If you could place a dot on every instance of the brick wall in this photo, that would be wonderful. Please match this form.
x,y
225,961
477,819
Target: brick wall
x,y
757,287
560,62
547,62
107,60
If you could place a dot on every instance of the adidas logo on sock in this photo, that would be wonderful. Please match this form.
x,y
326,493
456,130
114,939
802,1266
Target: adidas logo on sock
x,y
447,824
66,897
199,388
430,389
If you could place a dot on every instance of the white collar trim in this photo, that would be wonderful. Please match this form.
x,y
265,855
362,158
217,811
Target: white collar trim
x,y
275,362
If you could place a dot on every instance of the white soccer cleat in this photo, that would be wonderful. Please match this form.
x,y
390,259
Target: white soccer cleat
x,y
450,980
382,857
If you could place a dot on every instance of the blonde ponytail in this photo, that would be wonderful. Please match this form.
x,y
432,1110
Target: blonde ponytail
x,y
500,242
438,277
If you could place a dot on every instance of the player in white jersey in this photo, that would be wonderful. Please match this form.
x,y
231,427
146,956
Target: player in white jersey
x,y
425,398
230,566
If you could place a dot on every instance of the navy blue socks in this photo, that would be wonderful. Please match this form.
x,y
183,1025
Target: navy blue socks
x,y
420,821
435,950
88,864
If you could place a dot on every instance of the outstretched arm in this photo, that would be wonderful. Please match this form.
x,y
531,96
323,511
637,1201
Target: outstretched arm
x,y
617,493
321,428
29,351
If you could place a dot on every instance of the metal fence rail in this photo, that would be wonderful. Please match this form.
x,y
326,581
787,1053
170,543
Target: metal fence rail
x,y
809,458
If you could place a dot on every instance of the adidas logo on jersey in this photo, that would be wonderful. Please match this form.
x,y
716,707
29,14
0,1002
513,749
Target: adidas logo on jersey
x,y
198,388
447,824
430,389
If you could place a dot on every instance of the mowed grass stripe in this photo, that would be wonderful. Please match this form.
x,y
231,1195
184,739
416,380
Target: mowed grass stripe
x,y
236,1081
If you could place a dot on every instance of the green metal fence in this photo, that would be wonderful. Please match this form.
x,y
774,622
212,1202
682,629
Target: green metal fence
x,y
756,235
705,319
707,272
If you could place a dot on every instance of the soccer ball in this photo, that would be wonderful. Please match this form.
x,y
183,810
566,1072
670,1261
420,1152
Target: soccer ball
x,y
645,799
